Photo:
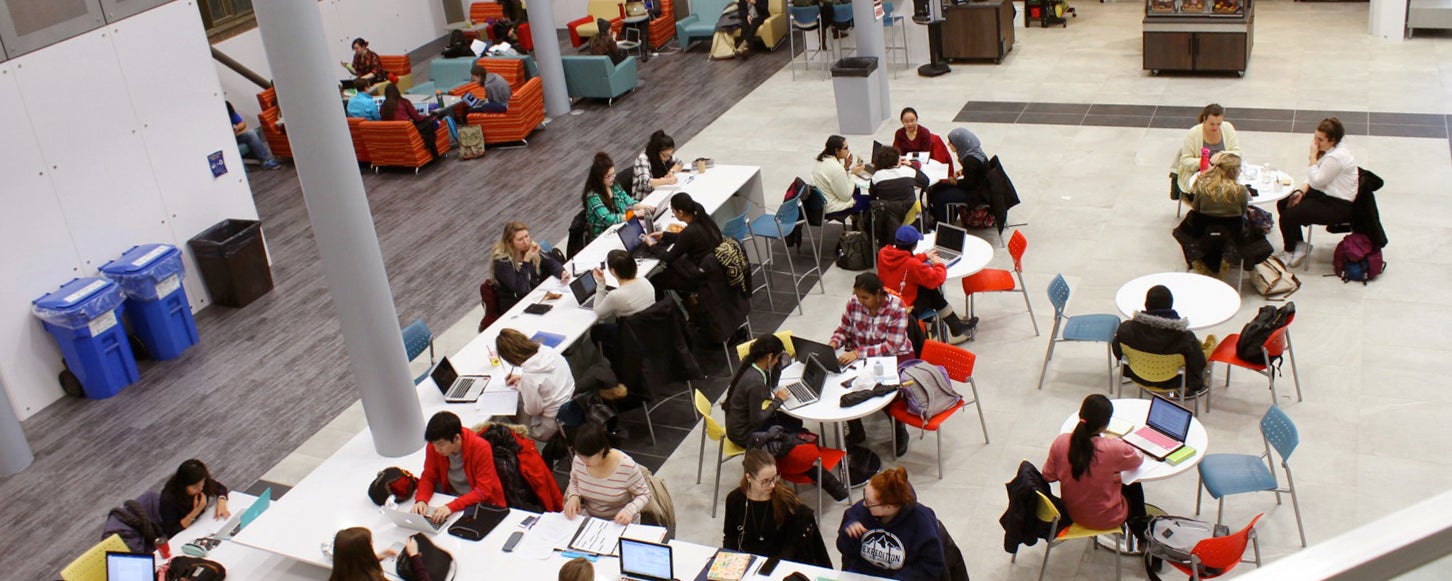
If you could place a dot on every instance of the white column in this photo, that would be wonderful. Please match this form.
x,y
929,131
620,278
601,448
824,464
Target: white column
x,y
307,90
1388,19
868,30
547,56
15,454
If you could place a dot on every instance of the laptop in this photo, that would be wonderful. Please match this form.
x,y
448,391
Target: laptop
x,y
645,561
240,520
457,388
949,243
630,233
416,522
130,566
825,354
471,100
583,287
808,389
1164,430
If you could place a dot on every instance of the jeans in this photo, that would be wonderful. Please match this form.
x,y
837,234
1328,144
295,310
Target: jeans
x,y
253,140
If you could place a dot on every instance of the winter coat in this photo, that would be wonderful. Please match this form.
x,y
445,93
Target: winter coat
x,y
1001,193
1365,218
529,466
722,306
655,351
908,548
478,458
1021,524
1164,336
905,272
138,522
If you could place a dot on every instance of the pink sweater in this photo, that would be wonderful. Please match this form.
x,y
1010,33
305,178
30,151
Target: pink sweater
x,y
1094,500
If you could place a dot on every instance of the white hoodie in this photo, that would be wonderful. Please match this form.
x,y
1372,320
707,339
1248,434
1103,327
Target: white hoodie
x,y
545,383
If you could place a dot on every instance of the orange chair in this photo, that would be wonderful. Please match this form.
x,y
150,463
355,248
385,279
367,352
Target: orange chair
x,y
799,463
526,104
276,139
399,66
583,28
398,144
481,12
959,364
1216,556
663,29
1279,343
360,147
991,280
267,99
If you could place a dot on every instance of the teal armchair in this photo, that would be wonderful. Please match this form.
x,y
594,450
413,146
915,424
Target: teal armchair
x,y
444,74
701,24
597,78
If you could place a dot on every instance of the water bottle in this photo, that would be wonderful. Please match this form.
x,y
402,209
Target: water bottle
x,y
1204,158
877,370
439,98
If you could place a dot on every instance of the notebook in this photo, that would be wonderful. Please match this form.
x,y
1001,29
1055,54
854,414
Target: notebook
x,y
1164,431
551,340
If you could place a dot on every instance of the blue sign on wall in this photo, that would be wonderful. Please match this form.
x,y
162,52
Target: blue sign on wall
x,y
218,165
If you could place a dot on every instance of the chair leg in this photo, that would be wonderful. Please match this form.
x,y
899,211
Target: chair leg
x,y
819,486
1048,548
939,434
1109,353
1118,559
1220,510
973,385
720,459
1295,373
816,256
649,426
1199,487
1270,373
1047,356
1296,506
765,274
796,282
1024,289
701,456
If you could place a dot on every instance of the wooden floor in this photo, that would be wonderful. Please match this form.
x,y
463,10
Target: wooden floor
x,y
265,378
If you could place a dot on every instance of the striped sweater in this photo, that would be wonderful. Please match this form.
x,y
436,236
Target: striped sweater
x,y
625,488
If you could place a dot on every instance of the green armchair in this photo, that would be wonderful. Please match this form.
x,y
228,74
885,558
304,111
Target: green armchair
x,y
595,77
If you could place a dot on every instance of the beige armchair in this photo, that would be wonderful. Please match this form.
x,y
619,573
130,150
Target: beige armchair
x,y
776,27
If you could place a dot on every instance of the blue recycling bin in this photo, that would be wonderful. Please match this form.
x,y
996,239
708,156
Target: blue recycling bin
x,y
151,277
84,316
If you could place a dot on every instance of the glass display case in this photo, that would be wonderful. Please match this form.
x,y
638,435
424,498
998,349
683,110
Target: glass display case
x,y
1196,8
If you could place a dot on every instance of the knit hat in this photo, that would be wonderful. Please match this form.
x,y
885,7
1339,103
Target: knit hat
x,y
908,235
1159,298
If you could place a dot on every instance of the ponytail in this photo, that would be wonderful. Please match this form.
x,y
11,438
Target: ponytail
x,y
834,143
683,202
1094,416
761,347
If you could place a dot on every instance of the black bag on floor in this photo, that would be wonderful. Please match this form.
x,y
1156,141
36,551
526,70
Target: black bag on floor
x,y
854,252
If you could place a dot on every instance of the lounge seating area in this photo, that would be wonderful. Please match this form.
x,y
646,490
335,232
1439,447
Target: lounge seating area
x,y
584,28
701,24
596,77
526,105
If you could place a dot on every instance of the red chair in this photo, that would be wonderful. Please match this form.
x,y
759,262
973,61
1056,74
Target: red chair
x,y
959,364
583,28
941,154
398,144
798,464
398,65
991,280
276,139
1216,556
360,148
1277,344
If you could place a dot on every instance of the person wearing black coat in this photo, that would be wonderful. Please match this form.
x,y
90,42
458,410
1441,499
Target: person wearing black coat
x,y
971,186
687,247
655,351
764,517
520,265
723,297
894,190
1160,330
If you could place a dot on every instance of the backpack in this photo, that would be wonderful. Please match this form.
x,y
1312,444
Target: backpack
x,y
392,481
1356,258
926,388
440,563
517,491
182,568
489,298
1273,279
471,142
1255,333
1173,537
723,46
854,252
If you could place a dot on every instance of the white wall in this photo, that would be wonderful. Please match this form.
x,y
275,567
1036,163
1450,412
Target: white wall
x,y
104,146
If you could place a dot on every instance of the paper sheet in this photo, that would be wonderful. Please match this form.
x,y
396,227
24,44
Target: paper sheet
x,y
504,402
552,530
598,536
889,371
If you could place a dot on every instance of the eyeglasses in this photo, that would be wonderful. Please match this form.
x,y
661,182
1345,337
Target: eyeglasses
x,y
767,481
870,505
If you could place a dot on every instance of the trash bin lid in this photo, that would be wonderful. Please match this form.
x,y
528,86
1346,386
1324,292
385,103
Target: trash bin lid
x,y
855,66
80,293
141,258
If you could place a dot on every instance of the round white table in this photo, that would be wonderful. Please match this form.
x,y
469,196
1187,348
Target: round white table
x,y
1271,185
1135,411
1205,301
975,254
828,407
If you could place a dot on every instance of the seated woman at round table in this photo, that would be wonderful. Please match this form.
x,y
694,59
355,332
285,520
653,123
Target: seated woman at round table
x,y
764,517
911,137
1326,198
187,493
397,108
520,265
832,175
604,482
354,559
969,185
1087,468
656,166
1212,132
1218,200
605,202
688,247
889,534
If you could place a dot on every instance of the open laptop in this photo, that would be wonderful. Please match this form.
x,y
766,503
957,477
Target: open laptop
x,y
457,388
583,287
949,243
630,233
471,100
240,520
645,561
808,389
416,522
1164,430
825,354
130,566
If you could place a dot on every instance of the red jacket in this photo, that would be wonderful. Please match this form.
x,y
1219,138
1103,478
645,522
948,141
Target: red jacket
x,y
534,470
903,271
484,484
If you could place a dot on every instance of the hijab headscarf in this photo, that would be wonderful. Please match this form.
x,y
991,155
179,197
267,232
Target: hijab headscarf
x,y
967,145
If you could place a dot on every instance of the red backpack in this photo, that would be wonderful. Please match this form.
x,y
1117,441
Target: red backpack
x,y
1356,258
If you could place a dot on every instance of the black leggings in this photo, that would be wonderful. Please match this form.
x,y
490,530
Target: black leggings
x,y
929,299
1138,516
1314,208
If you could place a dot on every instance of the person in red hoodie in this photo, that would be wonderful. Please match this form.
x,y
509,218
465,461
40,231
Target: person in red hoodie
x,y
460,463
919,278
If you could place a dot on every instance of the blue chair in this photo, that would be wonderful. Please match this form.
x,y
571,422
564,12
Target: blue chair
x,y
416,338
805,19
842,19
1226,474
737,228
779,226
596,77
890,20
701,24
1099,328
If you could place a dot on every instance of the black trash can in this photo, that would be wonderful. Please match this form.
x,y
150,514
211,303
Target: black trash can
x,y
233,262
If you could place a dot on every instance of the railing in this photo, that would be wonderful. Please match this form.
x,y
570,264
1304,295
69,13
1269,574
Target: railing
x,y
240,69
1394,544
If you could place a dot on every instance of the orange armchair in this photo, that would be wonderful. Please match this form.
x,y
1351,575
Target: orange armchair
x,y
526,104
360,148
481,12
398,65
276,139
662,30
582,29
398,144
267,99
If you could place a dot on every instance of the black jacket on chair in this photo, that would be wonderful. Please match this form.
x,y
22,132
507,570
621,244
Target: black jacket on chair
x,y
1001,193
955,568
655,351
1021,524
722,306
1365,218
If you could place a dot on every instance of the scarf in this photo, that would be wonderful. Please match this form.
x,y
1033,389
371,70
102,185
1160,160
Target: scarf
x,y
733,261
967,145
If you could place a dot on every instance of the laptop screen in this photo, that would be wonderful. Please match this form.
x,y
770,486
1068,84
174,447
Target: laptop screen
x,y
630,234
130,567
814,375
471,100
950,238
584,287
1169,419
444,374
643,559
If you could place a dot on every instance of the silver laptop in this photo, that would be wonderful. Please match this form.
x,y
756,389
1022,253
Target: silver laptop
x,y
1164,430
458,388
416,522
583,287
645,561
949,243
808,389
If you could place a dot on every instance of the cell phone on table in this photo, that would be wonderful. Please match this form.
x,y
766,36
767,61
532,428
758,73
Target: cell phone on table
x,y
537,309
513,540
768,566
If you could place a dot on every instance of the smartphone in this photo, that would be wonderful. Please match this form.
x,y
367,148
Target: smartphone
x,y
513,540
768,566
528,521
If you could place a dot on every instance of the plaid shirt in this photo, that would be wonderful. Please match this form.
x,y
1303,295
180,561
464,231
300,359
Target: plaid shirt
x,y
880,335
641,183
368,62
599,216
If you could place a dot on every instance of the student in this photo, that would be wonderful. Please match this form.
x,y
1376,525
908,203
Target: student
x,y
633,295
186,494
831,176
361,104
911,137
969,185
1212,132
397,108
496,90
605,202
577,569
894,188
754,407
604,482
603,44
888,534
764,517
1326,197
752,13
1159,329
874,324
656,166
688,248
251,139
543,380
1087,468
457,462
354,559
519,265
1216,201
919,279
366,67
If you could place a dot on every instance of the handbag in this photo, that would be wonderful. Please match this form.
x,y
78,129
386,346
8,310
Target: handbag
x,y
471,142
1274,280
440,563
477,521
182,568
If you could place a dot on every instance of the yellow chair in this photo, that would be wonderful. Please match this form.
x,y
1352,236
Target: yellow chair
x,y
725,450
786,341
774,29
91,565
1154,367
1048,513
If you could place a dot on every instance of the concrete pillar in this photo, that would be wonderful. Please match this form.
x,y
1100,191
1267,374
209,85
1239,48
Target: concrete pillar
x,y
15,454
1388,19
547,56
307,90
868,30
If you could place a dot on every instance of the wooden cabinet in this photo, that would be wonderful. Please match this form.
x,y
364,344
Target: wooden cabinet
x,y
978,30
1198,43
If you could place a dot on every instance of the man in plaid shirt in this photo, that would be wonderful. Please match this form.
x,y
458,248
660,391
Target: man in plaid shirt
x,y
875,325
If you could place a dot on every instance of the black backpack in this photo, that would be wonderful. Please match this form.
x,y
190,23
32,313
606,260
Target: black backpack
x,y
1255,333
517,491
854,252
440,563
183,568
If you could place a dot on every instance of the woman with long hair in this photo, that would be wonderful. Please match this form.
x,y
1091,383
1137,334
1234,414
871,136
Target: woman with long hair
x,y
1087,468
605,202
1217,200
697,240
764,517
657,165
832,176
354,559
888,534
605,482
397,108
543,380
186,495
1211,132
520,264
